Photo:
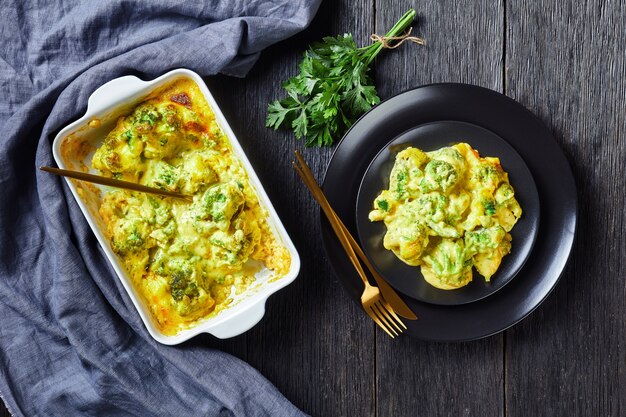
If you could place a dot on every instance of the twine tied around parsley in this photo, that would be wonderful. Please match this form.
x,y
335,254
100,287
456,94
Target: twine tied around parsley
x,y
386,41
333,87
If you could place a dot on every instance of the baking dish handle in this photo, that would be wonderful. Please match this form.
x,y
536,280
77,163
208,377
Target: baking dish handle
x,y
243,323
108,94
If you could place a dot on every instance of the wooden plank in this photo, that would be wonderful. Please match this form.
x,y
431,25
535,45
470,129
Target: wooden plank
x,y
464,43
236,346
566,61
312,343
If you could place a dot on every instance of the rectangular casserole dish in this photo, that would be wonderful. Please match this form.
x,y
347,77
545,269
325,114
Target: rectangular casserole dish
x,y
117,98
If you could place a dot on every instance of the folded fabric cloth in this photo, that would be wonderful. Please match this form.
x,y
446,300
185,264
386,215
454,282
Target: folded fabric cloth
x,y
70,341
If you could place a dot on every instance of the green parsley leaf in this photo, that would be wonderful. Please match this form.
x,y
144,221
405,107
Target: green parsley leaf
x,y
332,90
278,113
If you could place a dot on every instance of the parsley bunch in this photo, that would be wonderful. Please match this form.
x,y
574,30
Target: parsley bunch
x,y
333,88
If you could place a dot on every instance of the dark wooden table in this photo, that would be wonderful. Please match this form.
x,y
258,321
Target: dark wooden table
x,y
565,61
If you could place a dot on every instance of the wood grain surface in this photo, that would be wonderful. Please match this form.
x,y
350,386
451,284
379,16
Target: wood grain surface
x,y
566,62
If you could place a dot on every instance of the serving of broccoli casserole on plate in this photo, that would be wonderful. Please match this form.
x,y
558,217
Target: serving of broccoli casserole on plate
x,y
447,211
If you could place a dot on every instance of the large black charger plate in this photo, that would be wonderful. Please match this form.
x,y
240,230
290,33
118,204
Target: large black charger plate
x,y
532,141
429,137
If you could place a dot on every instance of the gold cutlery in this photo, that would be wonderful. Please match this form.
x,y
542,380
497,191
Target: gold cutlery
x,y
375,304
111,182
389,293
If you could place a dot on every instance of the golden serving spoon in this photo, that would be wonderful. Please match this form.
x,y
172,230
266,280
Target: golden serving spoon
x,y
111,182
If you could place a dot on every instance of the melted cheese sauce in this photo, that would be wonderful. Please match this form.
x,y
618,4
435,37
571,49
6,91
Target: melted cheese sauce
x,y
185,259
448,211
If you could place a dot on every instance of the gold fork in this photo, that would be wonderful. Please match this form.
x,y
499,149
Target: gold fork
x,y
373,303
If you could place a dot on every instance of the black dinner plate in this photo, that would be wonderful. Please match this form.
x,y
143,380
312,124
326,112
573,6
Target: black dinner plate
x,y
533,142
429,137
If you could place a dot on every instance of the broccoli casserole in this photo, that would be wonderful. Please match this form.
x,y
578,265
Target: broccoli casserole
x,y
187,260
448,211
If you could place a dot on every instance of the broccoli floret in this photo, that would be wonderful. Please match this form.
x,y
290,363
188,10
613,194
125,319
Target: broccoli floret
x,y
432,209
145,117
402,179
431,206
489,206
439,175
127,238
165,176
484,240
170,120
217,202
135,239
128,136
448,259
451,156
181,281
487,175
504,193
221,202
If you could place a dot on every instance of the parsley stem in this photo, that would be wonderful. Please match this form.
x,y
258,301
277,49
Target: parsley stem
x,y
401,25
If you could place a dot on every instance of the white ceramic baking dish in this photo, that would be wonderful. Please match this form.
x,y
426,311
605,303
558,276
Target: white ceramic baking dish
x,y
105,105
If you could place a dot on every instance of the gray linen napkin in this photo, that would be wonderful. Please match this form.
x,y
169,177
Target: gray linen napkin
x,y
70,341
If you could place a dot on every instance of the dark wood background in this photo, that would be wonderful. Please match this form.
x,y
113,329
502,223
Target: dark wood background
x,y
566,62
